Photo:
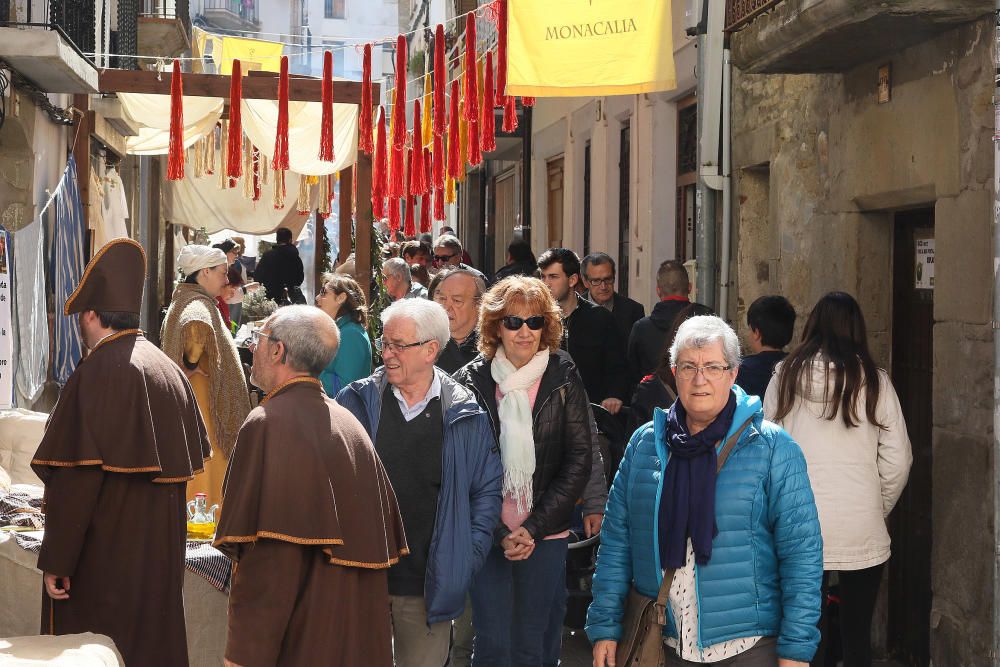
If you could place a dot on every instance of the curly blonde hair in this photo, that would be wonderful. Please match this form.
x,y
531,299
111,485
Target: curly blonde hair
x,y
510,294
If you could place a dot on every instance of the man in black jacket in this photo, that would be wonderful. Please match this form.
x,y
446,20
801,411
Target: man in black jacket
x,y
645,343
459,293
599,278
280,270
589,331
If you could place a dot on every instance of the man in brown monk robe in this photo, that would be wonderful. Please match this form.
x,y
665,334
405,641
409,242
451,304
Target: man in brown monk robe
x,y
118,450
308,514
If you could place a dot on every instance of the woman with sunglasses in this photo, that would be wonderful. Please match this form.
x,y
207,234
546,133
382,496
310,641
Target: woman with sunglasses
x,y
540,415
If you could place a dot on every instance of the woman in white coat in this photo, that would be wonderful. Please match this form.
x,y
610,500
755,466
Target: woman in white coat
x,y
844,413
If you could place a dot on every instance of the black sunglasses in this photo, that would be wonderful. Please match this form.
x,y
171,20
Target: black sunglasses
x,y
535,322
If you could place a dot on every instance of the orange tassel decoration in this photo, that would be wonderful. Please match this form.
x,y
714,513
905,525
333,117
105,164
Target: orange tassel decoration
x,y
279,161
175,154
234,145
326,152
509,115
399,102
488,137
440,73
379,176
365,117
454,155
439,204
418,183
501,83
528,101
437,180
471,80
410,224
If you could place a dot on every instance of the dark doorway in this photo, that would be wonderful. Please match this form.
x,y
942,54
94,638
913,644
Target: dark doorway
x,y
913,375
624,192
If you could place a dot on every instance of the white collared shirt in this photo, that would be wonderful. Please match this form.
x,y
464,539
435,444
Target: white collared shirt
x,y
410,412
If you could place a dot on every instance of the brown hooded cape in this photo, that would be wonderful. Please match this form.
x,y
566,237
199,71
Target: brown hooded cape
x,y
117,452
311,520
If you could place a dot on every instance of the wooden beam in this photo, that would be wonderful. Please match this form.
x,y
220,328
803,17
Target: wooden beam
x,y
363,217
81,152
345,214
261,86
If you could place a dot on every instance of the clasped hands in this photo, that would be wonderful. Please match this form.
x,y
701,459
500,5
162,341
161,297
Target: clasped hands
x,y
519,545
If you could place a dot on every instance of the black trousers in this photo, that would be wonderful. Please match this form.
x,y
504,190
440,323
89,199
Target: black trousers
x,y
858,590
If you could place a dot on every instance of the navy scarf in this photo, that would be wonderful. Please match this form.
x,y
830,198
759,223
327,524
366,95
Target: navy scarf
x,y
687,504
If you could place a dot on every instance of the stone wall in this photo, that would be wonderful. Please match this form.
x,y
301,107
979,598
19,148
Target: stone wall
x,y
819,168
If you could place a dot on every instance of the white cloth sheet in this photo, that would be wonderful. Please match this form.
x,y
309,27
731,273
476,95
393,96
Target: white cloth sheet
x,y
32,321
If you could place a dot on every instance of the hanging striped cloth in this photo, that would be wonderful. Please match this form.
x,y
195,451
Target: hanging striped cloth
x,y
67,270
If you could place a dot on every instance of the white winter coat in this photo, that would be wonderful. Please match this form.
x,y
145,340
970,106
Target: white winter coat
x,y
857,474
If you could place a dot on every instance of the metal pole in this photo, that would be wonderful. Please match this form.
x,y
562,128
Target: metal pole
x,y
705,197
996,351
727,185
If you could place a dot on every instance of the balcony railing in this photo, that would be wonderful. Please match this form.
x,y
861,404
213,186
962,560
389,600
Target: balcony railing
x,y
739,13
243,10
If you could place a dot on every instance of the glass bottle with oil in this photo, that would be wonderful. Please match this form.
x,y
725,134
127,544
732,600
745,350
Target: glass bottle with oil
x,y
201,518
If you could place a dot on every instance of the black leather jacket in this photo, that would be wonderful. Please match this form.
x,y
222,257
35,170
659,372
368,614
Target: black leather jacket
x,y
561,416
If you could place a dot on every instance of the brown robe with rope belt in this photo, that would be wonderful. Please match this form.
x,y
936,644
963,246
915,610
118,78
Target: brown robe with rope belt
x,y
311,520
118,450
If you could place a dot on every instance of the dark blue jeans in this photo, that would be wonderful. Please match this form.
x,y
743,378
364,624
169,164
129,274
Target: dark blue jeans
x,y
512,605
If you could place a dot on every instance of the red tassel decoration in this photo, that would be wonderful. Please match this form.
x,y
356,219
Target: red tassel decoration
x,y
488,139
439,204
528,101
175,154
234,142
440,73
475,150
379,177
439,157
501,84
326,152
279,162
397,167
365,117
418,184
471,112
394,213
454,155
509,115
255,160
425,201
410,224
399,102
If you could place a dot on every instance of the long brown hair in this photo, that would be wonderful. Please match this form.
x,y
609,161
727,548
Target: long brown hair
x,y
836,332
356,306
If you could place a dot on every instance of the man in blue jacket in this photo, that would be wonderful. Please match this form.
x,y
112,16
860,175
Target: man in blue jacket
x,y
439,452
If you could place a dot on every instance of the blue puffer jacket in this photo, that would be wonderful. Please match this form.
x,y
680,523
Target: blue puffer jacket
x,y
468,507
767,560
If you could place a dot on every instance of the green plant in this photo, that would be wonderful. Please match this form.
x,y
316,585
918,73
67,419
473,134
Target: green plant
x,y
379,300
257,306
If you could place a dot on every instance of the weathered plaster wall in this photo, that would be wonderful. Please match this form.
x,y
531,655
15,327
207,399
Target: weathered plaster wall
x,y
819,168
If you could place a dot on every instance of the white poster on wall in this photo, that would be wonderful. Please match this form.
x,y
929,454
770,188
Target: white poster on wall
x,y
924,272
6,331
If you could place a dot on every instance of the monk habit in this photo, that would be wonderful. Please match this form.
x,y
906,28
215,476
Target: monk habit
x,y
118,450
311,521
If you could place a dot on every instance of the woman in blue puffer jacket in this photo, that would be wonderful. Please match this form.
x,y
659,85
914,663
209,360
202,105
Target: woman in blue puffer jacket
x,y
744,542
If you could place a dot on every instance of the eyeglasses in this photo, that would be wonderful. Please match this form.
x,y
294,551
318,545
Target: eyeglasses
x,y
256,334
535,322
601,282
387,346
444,258
711,372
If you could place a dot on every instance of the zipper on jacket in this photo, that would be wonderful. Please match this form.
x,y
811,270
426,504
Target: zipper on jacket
x,y
534,419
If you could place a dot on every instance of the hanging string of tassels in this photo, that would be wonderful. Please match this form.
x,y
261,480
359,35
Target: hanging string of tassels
x,y
454,154
399,99
440,74
223,159
234,140
279,162
426,128
425,199
324,194
417,182
470,84
199,158
258,164
439,204
248,174
501,83
410,224
175,151
365,137
326,150
488,130
278,194
394,213
302,201
210,168
379,176
509,114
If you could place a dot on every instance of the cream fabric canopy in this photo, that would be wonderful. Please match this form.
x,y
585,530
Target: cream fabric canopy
x,y
153,113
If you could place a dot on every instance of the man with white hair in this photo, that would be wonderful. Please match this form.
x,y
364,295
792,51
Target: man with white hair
x,y
308,514
440,454
398,282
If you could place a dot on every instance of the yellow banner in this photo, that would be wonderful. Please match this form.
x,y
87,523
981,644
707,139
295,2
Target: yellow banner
x,y
570,48
253,54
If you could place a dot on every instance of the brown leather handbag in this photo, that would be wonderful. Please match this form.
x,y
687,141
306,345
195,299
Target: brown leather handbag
x,y
641,644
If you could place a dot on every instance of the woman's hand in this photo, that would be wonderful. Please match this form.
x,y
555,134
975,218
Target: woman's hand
x,y
604,653
519,545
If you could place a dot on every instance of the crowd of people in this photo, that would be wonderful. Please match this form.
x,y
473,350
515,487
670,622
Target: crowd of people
x,y
419,513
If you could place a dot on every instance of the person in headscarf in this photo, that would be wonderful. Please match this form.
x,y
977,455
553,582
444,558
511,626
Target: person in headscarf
x,y
123,440
196,338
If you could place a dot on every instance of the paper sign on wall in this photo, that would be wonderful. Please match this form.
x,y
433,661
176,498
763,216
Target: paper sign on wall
x,y
924,272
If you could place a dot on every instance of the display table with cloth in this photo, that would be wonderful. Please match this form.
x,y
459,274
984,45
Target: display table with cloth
x,y
83,650
206,581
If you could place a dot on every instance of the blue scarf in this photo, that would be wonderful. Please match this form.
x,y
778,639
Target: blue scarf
x,y
687,504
